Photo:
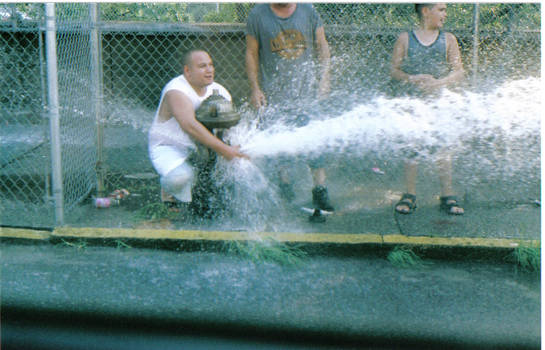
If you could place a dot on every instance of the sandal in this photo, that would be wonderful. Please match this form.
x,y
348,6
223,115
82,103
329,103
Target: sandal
x,y
449,204
407,200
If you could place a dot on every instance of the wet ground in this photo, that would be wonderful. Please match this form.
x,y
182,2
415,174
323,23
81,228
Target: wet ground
x,y
362,187
366,208
72,294
57,296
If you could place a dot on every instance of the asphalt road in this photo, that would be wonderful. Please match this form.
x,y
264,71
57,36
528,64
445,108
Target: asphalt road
x,y
97,297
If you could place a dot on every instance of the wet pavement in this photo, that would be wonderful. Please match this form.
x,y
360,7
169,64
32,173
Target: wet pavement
x,y
364,202
61,292
482,220
68,296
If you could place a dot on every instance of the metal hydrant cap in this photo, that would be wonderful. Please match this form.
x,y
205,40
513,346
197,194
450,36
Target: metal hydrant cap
x,y
217,112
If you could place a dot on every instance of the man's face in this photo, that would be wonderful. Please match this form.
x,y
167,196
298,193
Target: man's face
x,y
437,15
200,70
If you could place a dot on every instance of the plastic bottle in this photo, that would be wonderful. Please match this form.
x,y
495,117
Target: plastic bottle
x,y
105,202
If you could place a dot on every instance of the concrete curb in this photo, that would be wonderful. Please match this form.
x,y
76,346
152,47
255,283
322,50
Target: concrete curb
x,y
8,232
285,237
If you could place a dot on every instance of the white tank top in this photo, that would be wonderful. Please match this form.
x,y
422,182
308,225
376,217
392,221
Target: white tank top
x,y
169,132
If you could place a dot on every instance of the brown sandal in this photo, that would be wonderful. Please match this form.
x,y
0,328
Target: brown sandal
x,y
408,200
449,204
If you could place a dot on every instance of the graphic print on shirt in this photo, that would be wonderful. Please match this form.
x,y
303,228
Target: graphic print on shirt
x,y
289,44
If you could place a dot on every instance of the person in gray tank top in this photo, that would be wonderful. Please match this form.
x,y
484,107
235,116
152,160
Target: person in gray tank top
x,y
424,61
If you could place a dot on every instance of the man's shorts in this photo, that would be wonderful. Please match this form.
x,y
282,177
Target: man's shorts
x,y
166,158
175,170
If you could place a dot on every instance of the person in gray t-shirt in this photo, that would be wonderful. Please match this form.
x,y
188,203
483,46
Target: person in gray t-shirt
x,y
283,41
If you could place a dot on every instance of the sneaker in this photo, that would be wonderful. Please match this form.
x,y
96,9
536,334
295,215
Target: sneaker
x,y
320,199
317,217
286,191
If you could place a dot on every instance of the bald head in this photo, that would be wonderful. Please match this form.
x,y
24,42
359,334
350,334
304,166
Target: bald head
x,y
198,69
187,58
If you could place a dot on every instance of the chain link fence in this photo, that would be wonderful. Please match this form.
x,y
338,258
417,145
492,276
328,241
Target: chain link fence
x,y
112,67
28,133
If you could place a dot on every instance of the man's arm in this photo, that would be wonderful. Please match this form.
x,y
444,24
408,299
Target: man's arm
x,y
398,55
454,59
181,108
324,57
257,97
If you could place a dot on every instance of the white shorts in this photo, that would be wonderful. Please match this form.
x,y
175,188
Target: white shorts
x,y
166,158
177,176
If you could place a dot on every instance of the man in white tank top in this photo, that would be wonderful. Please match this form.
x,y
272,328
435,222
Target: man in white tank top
x,y
175,129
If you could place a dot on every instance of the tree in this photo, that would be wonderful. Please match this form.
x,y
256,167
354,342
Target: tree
x,y
156,12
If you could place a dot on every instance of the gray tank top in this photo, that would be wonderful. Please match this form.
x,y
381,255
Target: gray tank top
x,y
431,59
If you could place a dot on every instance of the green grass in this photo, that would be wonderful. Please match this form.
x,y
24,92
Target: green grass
x,y
266,251
121,244
404,257
154,211
527,258
80,244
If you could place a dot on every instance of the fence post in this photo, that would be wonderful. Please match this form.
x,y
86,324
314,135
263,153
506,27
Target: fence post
x,y
475,64
53,110
96,68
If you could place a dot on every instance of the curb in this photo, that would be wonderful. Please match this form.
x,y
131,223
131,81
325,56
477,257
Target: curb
x,y
285,237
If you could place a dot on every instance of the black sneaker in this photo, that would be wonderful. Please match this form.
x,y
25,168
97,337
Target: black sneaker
x,y
320,199
317,217
286,191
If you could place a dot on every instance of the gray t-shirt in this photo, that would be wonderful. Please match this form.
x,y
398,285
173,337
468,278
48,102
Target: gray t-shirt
x,y
286,47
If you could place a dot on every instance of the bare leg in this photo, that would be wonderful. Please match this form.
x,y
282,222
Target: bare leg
x,y
318,176
411,171
283,175
444,165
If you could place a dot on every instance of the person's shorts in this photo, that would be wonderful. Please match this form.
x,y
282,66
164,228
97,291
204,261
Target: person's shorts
x,y
166,158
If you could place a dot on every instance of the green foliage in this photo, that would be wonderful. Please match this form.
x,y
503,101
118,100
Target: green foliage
x,y
139,11
228,13
493,16
404,257
509,16
368,14
79,244
25,11
528,258
155,211
119,244
266,251
460,16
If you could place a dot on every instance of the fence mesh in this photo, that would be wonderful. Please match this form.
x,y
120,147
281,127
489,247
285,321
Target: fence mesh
x,y
26,149
24,132
140,46
76,101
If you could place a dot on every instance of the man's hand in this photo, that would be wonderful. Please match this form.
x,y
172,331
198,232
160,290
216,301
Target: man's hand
x,y
232,152
258,99
425,82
